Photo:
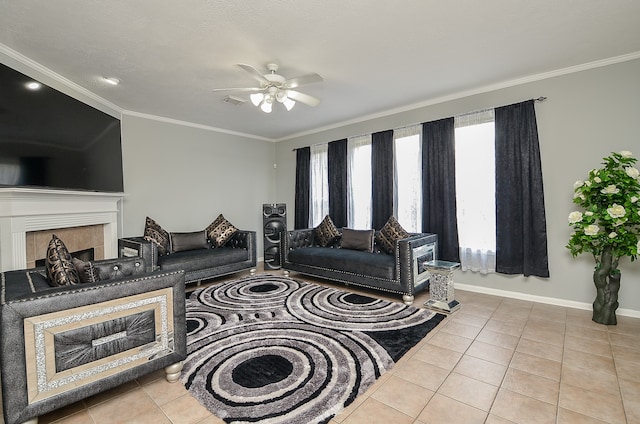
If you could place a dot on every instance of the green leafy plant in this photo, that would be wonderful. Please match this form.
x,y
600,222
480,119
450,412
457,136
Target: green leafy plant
x,y
608,227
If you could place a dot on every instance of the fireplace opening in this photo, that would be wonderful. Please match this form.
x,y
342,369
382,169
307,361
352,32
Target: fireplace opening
x,y
85,255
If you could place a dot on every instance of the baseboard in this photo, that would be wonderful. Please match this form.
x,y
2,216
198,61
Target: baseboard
x,y
541,299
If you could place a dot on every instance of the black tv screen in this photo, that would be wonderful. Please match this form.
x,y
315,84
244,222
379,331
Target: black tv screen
x,y
49,139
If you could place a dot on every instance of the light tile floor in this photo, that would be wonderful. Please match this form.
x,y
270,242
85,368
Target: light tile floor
x,y
496,360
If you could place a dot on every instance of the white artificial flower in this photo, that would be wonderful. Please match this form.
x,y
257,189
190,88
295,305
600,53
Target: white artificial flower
x,y
578,184
616,211
626,154
632,172
613,235
591,230
588,213
610,189
634,199
638,247
619,222
597,179
587,183
575,217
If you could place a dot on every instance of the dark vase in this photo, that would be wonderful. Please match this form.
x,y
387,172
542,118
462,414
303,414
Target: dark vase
x,y
606,277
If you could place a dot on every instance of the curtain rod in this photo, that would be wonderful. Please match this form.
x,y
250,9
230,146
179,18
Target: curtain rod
x,y
537,99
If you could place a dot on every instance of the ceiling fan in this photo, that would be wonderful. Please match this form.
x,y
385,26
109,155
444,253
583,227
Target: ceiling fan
x,y
275,88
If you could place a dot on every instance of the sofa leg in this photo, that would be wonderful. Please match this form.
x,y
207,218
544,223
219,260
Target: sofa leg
x,y
407,299
32,421
173,371
252,271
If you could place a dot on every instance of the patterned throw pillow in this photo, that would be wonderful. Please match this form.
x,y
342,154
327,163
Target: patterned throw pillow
x,y
154,233
389,234
60,268
87,272
220,231
326,233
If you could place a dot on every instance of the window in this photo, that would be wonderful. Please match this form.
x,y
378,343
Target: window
x,y
319,198
359,182
408,177
475,190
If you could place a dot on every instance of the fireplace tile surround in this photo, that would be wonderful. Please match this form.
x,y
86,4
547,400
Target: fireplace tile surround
x,y
74,238
30,214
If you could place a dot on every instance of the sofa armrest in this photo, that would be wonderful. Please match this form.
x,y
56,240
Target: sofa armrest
x,y
138,246
410,254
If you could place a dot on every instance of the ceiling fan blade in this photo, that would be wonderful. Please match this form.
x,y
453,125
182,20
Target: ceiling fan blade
x,y
303,98
238,89
303,80
254,73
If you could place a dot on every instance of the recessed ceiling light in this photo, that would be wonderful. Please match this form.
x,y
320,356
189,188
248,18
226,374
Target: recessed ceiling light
x,y
33,85
111,80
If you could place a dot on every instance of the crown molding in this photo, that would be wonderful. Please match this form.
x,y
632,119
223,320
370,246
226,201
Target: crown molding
x,y
472,92
75,89
193,125
117,111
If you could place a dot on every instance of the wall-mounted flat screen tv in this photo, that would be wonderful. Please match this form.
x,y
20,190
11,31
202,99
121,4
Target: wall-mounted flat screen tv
x,y
51,140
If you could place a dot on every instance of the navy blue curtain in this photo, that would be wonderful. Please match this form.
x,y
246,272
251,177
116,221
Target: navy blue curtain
x,y
439,186
337,170
382,177
521,229
303,187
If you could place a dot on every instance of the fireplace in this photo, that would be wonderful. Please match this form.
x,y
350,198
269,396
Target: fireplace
x,y
82,220
86,243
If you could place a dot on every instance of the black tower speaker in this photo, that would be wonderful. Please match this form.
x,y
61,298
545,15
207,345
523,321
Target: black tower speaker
x,y
274,219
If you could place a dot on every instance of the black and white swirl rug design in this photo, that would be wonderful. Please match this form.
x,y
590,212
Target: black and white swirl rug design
x,y
270,349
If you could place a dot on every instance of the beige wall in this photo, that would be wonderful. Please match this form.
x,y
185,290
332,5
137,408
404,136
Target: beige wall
x,y
587,115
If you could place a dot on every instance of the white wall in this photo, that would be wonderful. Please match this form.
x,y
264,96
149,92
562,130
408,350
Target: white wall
x,y
183,177
587,115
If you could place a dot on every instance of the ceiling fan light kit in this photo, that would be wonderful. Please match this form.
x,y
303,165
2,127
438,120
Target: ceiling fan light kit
x,y
275,88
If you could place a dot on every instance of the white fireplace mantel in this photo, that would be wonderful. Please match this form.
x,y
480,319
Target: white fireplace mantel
x,y
32,209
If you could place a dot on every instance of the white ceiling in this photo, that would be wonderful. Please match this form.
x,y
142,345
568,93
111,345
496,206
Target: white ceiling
x,y
374,57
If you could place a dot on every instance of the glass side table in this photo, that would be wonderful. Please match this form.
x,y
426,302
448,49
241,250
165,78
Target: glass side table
x,y
441,286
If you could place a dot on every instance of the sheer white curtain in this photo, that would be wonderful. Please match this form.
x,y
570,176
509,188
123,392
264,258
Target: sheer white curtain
x,y
319,198
475,190
359,182
408,177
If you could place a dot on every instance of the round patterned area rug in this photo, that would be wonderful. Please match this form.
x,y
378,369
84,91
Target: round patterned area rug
x,y
270,349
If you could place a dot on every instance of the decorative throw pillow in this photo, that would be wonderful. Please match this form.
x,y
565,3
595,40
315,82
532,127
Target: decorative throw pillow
x,y
60,268
154,233
357,239
326,233
188,241
87,272
220,231
389,234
